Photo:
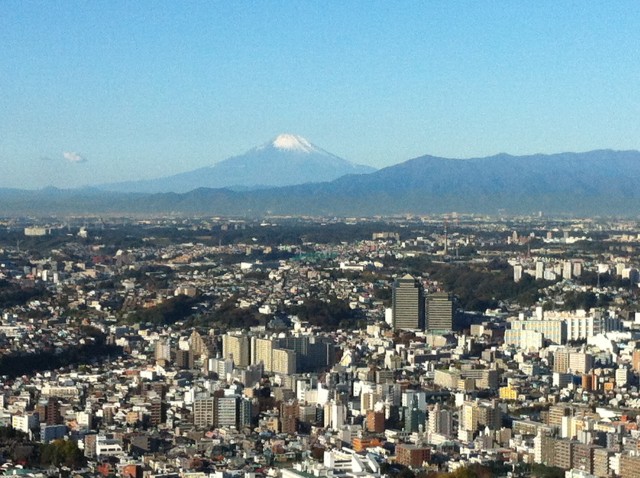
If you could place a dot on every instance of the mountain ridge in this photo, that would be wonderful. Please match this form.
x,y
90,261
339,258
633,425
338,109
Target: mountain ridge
x,y
591,183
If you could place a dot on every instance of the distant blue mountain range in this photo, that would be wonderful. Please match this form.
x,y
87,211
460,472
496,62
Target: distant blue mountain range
x,y
602,182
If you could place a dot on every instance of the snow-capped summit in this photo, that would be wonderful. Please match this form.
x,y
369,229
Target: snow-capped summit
x,y
286,160
292,142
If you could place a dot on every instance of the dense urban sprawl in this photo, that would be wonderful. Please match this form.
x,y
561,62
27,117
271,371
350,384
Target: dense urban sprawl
x,y
359,348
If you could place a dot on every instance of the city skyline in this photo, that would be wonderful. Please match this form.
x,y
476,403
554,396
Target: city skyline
x,y
115,91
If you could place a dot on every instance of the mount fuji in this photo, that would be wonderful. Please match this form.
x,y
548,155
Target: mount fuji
x,y
286,160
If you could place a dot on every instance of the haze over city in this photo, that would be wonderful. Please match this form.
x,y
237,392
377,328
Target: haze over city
x,y
103,92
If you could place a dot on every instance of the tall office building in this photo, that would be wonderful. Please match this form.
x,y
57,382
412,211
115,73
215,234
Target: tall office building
x,y
334,415
53,412
227,411
289,417
439,312
162,352
408,304
477,415
198,345
580,362
414,417
368,400
204,412
237,347
440,421
157,412
375,421
246,412
304,354
284,361
561,360
184,359
262,351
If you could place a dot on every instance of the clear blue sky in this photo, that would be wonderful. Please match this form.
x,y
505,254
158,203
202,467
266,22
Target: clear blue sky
x,y
141,89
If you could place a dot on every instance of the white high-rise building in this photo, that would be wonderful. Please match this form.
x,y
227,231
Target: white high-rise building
x,y
555,331
577,269
440,421
25,423
524,339
335,415
537,447
517,273
622,376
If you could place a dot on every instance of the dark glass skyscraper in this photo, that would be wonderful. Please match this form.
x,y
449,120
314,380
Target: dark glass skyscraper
x,y
408,304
